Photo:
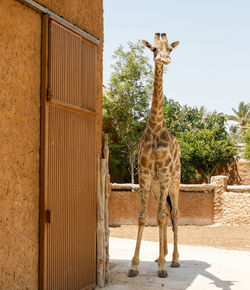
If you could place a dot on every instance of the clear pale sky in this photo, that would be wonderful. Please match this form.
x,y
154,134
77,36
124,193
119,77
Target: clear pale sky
x,y
210,67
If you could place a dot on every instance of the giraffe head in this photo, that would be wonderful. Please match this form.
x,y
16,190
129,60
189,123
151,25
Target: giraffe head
x,y
161,48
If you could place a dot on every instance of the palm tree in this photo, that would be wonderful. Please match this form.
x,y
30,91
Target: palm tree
x,y
203,111
242,118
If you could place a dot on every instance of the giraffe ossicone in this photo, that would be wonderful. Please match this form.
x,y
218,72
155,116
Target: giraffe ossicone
x,y
159,165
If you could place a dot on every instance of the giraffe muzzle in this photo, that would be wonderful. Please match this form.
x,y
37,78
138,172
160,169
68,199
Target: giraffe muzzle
x,y
163,59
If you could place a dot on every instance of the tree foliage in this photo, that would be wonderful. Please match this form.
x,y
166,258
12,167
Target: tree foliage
x,y
203,152
126,106
203,138
247,144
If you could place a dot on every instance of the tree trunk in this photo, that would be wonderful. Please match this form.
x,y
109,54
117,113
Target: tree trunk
x,y
132,167
208,178
208,174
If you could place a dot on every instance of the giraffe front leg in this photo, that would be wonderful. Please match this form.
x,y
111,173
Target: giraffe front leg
x,y
133,270
165,235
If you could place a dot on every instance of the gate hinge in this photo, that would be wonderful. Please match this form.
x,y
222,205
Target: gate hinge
x,y
49,93
47,216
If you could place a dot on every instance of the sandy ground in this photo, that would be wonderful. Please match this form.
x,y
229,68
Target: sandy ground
x,y
232,237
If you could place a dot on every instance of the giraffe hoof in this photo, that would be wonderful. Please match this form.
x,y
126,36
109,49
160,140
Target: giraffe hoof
x,y
175,264
132,273
162,273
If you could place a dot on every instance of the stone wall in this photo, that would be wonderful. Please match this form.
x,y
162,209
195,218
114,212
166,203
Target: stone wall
x,y
195,208
235,208
231,203
20,66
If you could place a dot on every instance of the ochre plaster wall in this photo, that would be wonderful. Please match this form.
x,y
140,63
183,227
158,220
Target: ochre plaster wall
x,y
195,208
20,42
20,65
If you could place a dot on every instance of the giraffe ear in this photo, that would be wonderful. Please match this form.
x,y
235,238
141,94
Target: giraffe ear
x,y
174,44
148,45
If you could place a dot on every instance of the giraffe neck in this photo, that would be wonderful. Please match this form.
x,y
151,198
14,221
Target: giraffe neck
x,y
155,120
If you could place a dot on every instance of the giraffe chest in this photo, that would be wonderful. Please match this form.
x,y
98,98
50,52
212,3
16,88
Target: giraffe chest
x,y
158,156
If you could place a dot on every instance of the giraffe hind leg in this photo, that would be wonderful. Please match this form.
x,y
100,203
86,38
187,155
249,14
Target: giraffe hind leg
x,y
165,236
162,218
174,214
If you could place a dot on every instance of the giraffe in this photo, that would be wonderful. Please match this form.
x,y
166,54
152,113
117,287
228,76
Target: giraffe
x,y
159,165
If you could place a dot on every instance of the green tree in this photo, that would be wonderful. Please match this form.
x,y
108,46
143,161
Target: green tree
x,y
207,150
182,119
126,106
203,138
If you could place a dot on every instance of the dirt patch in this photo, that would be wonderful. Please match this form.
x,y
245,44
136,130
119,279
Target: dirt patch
x,y
230,237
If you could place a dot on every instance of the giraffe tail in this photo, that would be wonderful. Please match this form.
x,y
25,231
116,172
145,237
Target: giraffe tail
x,y
170,206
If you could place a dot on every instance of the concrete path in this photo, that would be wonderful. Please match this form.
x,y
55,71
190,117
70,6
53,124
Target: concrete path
x,y
201,268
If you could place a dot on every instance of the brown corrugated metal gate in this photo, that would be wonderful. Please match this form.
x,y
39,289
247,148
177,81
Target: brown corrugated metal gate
x,y
68,159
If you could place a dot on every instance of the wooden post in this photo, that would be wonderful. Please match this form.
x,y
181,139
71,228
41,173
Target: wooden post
x,y
103,193
107,194
100,228
103,187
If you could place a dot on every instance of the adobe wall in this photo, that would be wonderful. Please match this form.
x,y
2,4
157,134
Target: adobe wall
x,y
195,208
20,55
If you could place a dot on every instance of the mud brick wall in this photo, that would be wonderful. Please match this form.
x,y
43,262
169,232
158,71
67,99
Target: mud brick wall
x,y
195,208
20,66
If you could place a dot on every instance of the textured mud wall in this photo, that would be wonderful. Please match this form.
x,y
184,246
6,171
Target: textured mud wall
x,y
195,208
20,41
87,15
20,55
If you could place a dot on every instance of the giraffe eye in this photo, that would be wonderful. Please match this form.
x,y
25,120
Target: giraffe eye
x,y
154,49
170,49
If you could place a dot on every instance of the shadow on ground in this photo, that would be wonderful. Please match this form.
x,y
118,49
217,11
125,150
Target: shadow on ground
x,y
178,278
